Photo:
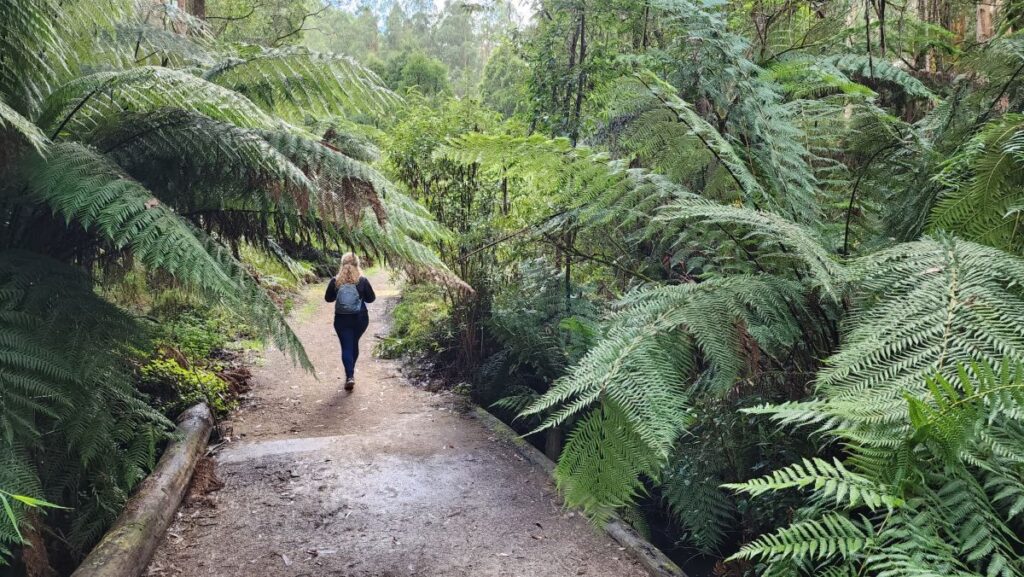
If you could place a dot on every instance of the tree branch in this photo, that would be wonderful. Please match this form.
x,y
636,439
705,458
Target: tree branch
x,y
302,25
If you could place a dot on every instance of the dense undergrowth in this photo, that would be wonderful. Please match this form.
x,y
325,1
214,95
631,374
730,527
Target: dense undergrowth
x,y
749,271
162,191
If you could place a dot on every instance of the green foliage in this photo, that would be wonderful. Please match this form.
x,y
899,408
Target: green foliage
x,y
197,331
605,463
736,163
666,347
70,417
417,323
880,70
830,481
796,214
924,307
503,87
272,23
540,332
940,498
983,197
134,140
182,388
814,539
415,71
296,83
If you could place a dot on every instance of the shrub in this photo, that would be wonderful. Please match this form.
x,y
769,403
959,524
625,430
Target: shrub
x,y
175,388
201,332
418,325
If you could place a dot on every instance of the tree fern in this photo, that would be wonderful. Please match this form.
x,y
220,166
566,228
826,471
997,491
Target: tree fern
x,y
942,484
716,70
86,102
62,362
925,307
218,165
604,463
704,509
646,90
11,120
813,539
983,200
83,187
814,78
294,83
124,139
830,482
34,52
779,237
879,69
666,345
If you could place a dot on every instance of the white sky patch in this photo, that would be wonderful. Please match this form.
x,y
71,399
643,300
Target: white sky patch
x,y
524,9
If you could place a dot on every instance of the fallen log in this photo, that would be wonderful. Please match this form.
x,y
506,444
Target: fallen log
x,y
128,546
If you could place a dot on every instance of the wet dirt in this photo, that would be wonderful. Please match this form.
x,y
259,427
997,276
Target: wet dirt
x,y
385,481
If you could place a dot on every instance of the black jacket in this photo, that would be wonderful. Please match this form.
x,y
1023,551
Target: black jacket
x,y
363,286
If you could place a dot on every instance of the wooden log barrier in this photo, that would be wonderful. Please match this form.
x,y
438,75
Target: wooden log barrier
x,y
128,546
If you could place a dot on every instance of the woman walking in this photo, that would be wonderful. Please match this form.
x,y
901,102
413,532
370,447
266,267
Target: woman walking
x,y
350,291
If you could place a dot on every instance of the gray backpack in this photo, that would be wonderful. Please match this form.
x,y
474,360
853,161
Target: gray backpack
x,y
348,302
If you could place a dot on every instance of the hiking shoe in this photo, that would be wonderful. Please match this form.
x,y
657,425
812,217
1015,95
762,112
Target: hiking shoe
x,y
350,384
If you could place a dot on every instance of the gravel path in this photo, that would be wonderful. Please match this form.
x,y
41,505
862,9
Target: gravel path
x,y
386,481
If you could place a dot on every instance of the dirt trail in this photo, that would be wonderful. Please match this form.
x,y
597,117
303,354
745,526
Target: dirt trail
x,y
386,481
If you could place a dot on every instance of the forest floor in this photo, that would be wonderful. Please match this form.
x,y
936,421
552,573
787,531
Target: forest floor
x,y
386,481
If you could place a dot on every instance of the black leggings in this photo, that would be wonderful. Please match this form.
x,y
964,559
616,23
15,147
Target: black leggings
x,y
349,329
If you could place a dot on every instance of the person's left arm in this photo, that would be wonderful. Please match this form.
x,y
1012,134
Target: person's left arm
x,y
368,294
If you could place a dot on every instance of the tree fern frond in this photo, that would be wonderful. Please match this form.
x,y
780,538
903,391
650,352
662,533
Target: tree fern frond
x,y
984,187
880,69
10,119
925,307
35,52
711,138
216,163
826,273
698,504
295,83
63,348
84,187
647,362
346,185
814,78
88,102
831,481
603,464
812,539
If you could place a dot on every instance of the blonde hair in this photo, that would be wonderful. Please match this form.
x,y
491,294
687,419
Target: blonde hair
x,y
349,271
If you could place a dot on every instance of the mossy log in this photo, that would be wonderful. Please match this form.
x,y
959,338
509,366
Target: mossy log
x,y
128,546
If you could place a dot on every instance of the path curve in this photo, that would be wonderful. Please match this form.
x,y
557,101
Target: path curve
x,y
387,481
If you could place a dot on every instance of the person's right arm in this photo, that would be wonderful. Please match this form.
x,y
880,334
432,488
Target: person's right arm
x,y
332,292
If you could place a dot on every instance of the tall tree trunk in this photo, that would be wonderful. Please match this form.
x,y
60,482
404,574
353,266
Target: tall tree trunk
x,y
567,101
581,79
984,28
35,557
196,8
867,37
